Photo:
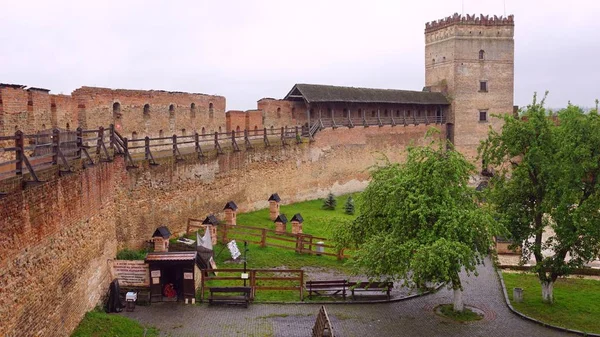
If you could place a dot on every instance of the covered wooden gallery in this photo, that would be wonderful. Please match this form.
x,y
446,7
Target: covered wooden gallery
x,y
348,106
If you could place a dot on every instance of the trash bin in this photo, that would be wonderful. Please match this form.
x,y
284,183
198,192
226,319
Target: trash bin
x,y
319,247
130,299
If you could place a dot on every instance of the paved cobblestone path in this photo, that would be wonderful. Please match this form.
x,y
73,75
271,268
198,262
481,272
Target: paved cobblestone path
x,y
413,317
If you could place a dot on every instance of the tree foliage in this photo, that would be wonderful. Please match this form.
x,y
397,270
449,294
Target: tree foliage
x,y
420,222
349,206
329,203
547,178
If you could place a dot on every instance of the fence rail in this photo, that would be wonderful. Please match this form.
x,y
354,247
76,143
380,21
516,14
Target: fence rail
x,y
258,280
301,243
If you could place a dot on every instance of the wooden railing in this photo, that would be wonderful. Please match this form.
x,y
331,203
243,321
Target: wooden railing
x,y
301,243
29,153
258,280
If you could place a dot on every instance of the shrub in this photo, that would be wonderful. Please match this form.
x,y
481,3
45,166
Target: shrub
x,y
349,206
329,202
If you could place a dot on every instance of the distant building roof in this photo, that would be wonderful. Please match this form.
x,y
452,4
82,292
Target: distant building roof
x,y
281,218
231,205
316,93
275,197
163,232
211,220
171,256
297,217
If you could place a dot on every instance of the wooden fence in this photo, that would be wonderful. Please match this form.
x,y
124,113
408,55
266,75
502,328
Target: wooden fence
x,y
258,280
301,243
29,153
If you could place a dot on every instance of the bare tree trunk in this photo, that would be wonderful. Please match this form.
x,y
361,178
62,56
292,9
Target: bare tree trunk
x,y
458,300
547,291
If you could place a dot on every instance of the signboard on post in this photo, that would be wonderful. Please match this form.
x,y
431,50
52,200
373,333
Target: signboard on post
x,y
234,250
131,273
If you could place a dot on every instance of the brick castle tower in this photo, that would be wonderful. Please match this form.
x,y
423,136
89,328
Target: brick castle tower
x,y
471,59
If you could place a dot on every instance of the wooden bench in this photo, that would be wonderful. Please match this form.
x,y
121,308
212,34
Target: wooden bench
x,y
379,287
331,288
232,295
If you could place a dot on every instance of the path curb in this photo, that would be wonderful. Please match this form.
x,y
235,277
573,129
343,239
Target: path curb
x,y
523,316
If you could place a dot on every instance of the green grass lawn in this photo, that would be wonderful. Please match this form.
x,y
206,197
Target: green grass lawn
x,y
317,222
576,301
100,324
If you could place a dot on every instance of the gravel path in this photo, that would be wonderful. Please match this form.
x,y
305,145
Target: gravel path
x,y
413,317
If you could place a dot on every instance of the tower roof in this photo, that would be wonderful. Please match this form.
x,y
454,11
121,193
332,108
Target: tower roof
x,y
163,232
297,217
230,205
281,218
274,197
210,220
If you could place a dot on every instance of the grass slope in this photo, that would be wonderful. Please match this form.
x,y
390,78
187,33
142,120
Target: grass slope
x,y
100,324
576,301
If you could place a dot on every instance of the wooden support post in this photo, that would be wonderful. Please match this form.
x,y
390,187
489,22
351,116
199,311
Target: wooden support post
x,y
301,285
197,147
224,231
20,152
252,284
263,238
147,148
55,146
100,140
175,145
234,144
79,133
265,138
112,138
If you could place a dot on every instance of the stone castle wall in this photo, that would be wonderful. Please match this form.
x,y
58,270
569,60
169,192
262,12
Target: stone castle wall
x,y
58,237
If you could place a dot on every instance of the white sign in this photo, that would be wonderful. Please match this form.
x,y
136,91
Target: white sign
x,y
131,273
156,273
233,249
188,276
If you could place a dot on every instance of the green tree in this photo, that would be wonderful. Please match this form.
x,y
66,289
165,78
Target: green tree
x,y
329,203
420,222
349,206
547,180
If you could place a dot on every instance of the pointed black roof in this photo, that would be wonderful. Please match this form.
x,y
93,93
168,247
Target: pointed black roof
x,y
298,217
163,232
231,205
210,220
275,197
281,218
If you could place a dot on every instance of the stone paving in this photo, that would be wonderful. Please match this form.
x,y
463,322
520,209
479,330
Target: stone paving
x,y
413,317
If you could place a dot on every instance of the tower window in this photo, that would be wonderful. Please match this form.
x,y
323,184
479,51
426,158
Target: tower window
x,y
483,116
483,86
481,54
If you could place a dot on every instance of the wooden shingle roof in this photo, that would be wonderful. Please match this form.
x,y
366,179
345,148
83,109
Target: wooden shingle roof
x,y
317,93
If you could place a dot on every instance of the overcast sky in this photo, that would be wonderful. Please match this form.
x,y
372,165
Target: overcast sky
x,y
246,50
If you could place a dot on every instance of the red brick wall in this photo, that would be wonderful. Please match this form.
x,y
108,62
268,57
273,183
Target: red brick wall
x,y
235,119
55,243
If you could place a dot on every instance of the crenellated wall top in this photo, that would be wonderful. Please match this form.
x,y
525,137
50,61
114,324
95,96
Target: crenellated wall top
x,y
481,20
